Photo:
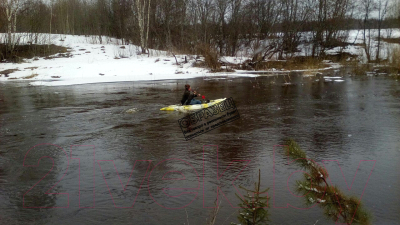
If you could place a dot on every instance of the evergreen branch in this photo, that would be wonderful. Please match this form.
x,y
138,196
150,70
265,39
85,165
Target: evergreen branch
x,y
315,189
253,205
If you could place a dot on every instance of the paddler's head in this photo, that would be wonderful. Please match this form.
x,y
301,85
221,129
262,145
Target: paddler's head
x,y
187,87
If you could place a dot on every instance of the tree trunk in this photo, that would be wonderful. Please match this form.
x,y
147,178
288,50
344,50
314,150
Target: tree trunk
x,y
14,31
9,27
141,17
148,27
9,32
379,43
51,18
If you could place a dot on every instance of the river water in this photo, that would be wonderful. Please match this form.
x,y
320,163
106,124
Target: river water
x,y
72,155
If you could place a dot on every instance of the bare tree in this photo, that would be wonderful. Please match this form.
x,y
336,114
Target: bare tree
x,y
143,17
235,25
330,21
367,6
294,14
10,10
382,7
221,10
51,18
204,10
260,28
261,17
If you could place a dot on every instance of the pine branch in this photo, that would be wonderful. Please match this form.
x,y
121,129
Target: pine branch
x,y
315,189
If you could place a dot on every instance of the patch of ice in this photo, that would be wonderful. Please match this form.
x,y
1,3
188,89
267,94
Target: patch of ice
x,y
133,110
327,77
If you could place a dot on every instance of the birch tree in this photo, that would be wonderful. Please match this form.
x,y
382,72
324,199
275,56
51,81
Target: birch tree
x,y
51,18
10,10
143,18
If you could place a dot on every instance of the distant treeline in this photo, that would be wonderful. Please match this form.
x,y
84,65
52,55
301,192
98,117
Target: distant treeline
x,y
183,25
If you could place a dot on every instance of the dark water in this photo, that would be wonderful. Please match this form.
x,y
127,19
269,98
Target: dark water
x,y
78,136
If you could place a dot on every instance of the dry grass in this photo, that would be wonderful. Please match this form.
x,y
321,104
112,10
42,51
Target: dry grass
x,y
394,59
342,58
211,57
391,65
358,68
30,51
31,76
31,68
391,40
297,63
7,72
213,216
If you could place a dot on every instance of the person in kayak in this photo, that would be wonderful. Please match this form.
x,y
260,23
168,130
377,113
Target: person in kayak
x,y
189,96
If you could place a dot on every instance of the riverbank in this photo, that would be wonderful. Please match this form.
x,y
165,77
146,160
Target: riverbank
x,y
87,61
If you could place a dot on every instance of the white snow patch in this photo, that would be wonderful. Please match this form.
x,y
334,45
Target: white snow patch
x,y
332,77
92,62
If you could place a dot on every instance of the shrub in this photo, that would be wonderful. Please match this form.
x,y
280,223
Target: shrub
x,y
211,56
394,59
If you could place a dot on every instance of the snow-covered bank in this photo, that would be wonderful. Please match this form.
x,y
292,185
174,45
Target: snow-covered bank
x,y
96,63
92,62
356,38
354,47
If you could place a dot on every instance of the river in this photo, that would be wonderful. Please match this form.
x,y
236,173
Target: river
x,y
92,158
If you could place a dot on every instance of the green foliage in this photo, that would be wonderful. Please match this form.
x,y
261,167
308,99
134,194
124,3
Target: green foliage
x,y
315,189
253,206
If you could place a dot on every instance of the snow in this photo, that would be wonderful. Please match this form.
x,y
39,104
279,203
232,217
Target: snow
x,y
356,38
92,62
326,77
235,60
97,64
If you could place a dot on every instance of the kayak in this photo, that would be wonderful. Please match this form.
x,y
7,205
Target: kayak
x,y
184,108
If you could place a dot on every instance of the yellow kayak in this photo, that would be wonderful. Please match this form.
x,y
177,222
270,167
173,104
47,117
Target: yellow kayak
x,y
184,108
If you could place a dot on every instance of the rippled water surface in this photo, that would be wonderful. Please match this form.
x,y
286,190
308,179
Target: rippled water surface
x,y
72,155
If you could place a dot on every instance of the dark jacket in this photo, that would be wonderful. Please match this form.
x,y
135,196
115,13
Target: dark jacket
x,y
187,97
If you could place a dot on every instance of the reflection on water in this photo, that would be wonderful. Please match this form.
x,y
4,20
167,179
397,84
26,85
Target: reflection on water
x,y
102,161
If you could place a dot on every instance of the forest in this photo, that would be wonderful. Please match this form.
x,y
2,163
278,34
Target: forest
x,y
225,27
